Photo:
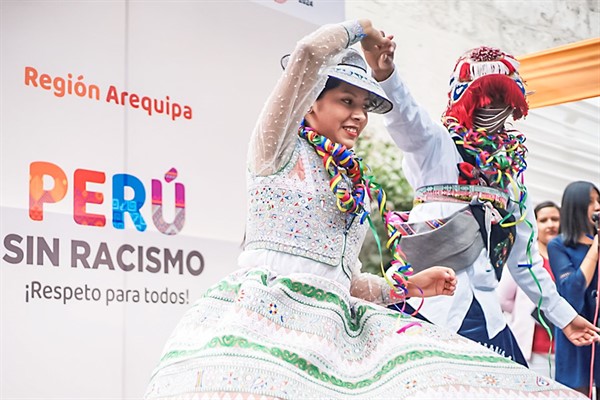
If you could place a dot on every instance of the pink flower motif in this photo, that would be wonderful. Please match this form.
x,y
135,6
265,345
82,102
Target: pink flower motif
x,y
229,379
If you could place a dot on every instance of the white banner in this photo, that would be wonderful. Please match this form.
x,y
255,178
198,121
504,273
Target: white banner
x,y
124,131
318,12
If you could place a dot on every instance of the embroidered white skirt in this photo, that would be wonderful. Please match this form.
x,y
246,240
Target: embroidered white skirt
x,y
259,335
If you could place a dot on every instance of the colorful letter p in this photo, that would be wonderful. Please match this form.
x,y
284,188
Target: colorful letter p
x,y
37,195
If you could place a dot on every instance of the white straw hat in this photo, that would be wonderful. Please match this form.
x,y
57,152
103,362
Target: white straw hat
x,y
352,69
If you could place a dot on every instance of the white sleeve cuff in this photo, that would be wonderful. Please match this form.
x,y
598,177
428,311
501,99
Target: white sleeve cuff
x,y
355,32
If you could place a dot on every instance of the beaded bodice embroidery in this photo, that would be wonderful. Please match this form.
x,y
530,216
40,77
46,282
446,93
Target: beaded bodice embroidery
x,y
295,212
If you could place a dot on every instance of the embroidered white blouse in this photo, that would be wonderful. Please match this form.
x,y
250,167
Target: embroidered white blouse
x,y
293,225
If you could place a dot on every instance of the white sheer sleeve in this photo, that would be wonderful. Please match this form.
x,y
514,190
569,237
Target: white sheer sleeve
x,y
276,129
372,288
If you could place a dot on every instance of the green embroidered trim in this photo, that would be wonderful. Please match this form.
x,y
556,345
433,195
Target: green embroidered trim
x,y
225,286
302,364
355,323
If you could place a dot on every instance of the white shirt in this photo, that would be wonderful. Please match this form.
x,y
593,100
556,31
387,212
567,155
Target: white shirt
x,y
430,157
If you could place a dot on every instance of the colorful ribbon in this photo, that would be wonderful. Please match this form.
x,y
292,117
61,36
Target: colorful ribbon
x,y
339,162
501,156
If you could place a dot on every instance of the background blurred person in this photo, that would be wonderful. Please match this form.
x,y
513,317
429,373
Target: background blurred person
x,y
573,258
521,312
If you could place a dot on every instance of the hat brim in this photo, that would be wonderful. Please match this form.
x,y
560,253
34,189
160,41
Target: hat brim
x,y
358,77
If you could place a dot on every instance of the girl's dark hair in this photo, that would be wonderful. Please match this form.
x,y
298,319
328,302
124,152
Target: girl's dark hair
x,y
545,204
574,220
331,83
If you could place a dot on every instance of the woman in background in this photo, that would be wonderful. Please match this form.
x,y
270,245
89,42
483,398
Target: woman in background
x,y
522,317
573,258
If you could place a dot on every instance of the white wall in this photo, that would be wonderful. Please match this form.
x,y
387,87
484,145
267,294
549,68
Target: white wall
x,y
564,141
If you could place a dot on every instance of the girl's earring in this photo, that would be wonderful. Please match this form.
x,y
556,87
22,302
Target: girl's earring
x,y
310,110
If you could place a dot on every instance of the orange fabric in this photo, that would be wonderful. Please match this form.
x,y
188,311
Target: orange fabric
x,y
562,74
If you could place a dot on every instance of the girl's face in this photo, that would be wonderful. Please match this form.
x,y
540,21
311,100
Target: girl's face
x,y
340,114
548,222
594,206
